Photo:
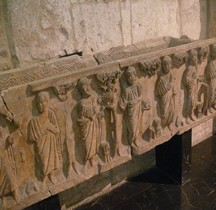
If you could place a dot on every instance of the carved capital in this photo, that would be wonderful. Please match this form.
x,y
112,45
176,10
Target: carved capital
x,y
151,67
61,90
179,59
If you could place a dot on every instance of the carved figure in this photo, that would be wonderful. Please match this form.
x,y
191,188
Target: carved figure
x,y
109,100
190,84
89,116
202,54
4,111
165,92
8,182
44,131
157,127
133,105
211,79
106,152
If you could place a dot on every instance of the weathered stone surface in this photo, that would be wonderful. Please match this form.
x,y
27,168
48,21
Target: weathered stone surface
x,y
155,22
45,29
5,59
191,18
202,131
44,70
211,18
69,124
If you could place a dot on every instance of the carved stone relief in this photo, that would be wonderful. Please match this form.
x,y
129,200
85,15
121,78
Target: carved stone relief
x,y
90,120
166,93
151,67
210,74
190,81
133,105
72,128
44,131
179,59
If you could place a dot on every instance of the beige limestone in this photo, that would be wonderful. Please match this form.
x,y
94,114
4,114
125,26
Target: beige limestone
x,y
45,29
202,131
72,123
151,23
5,58
193,18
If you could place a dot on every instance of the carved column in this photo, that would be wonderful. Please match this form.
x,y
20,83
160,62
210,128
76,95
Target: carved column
x,y
174,157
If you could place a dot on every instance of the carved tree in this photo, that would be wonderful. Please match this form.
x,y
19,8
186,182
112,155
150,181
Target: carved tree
x,y
151,67
109,99
179,59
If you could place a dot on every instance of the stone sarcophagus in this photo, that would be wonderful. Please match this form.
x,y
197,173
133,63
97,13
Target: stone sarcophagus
x,y
66,121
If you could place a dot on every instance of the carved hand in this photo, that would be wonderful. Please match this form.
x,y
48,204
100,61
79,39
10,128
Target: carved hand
x,y
146,105
92,118
52,128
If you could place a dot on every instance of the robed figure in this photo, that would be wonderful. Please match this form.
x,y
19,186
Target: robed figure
x,y
211,79
132,103
8,181
190,81
88,120
165,92
44,131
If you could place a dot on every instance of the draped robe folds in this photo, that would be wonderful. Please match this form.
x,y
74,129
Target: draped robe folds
x,y
165,93
7,179
190,83
89,125
132,103
211,79
46,140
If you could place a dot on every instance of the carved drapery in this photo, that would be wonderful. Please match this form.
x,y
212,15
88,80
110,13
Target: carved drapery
x,y
59,131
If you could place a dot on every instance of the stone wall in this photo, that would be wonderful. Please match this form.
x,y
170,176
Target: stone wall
x,y
44,29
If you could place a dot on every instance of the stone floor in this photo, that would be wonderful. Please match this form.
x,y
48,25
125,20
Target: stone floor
x,y
156,190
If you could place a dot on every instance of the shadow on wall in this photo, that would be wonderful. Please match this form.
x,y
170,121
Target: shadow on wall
x,y
203,19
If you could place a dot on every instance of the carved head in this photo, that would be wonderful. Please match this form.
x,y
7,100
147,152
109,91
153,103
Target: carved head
x,y
193,57
84,87
131,75
42,101
105,148
202,54
166,64
213,51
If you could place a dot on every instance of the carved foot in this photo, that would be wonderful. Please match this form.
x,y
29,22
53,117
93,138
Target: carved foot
x,y
211,110
193,117
52,178
72,167
187,120
93,160
170,127
16,195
